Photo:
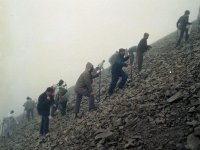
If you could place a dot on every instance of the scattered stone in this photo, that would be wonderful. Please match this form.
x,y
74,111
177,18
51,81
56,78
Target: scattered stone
x,y
192,109
193,142
193,123
175,97
104,135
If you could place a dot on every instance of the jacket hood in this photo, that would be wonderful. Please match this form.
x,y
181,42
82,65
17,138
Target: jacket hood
x,y
89,66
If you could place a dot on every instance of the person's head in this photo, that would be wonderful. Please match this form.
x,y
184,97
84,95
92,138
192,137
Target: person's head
x,y
12,112
60,82
187,12
146,35
50,91
104,61
28,98
122,51
89,67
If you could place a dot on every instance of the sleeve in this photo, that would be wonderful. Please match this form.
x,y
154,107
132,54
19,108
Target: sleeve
x,y
95,76
120,63
126,58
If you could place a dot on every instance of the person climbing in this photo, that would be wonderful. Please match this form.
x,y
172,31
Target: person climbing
x,y
29,106
198,21
132,50
56,104
141,49
116,70
62,98
43,107
183,25
83,87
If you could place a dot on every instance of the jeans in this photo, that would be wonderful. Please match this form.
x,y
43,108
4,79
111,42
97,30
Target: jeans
x,y
115,78
44,126
181,36
139,61
78,102
54,108
63,107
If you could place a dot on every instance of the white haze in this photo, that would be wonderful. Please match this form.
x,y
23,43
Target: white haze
x,y
42,41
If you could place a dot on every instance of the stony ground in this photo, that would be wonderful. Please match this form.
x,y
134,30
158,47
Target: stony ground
x,y
158,110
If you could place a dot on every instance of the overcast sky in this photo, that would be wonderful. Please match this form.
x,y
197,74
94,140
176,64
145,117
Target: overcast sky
x,y
42,41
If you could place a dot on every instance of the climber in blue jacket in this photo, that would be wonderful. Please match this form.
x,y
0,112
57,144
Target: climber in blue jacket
x,y
117,71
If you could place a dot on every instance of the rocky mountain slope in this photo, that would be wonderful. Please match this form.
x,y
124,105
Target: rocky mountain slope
x,y
159,110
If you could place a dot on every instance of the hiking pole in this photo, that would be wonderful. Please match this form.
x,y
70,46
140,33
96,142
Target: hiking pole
x,y
100,85
2,128
100,66
131,72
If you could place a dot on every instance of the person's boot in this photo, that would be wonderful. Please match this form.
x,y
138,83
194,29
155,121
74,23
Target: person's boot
x,y
92,109
78,116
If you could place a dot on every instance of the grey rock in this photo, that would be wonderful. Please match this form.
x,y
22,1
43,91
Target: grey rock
x,y
193,142
104,135
175,97
192,109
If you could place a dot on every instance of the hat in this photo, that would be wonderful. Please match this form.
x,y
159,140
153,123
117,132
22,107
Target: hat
x,y
122,50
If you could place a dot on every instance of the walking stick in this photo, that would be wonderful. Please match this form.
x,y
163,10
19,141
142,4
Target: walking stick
x,y
100,85
2,128
131,72
100,68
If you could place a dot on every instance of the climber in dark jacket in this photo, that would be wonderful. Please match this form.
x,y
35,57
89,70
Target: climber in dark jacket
x,y
117,72
182,24
44,102
141,49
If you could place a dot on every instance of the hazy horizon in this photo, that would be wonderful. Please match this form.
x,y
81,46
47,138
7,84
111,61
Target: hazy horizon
x,y
43,41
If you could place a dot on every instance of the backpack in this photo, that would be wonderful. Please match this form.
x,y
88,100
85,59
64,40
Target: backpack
x,y
112,59
62,91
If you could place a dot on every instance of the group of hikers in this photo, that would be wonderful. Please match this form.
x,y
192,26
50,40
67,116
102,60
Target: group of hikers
x,y
55,97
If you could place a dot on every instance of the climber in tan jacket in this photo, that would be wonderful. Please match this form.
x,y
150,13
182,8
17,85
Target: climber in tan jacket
x,y
83,87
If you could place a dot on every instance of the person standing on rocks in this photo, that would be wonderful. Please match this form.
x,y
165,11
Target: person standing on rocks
x,y
83,87
56,104
29,106
117,71
141,49
183,24
44,102
62,98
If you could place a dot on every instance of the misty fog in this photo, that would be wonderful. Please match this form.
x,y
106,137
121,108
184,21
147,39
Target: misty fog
x,y
43,41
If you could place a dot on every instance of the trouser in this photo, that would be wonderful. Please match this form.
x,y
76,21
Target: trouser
x,y
63,107
78,102
132,59
181,36
29,113
139,61
44,126
54,108
115,78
